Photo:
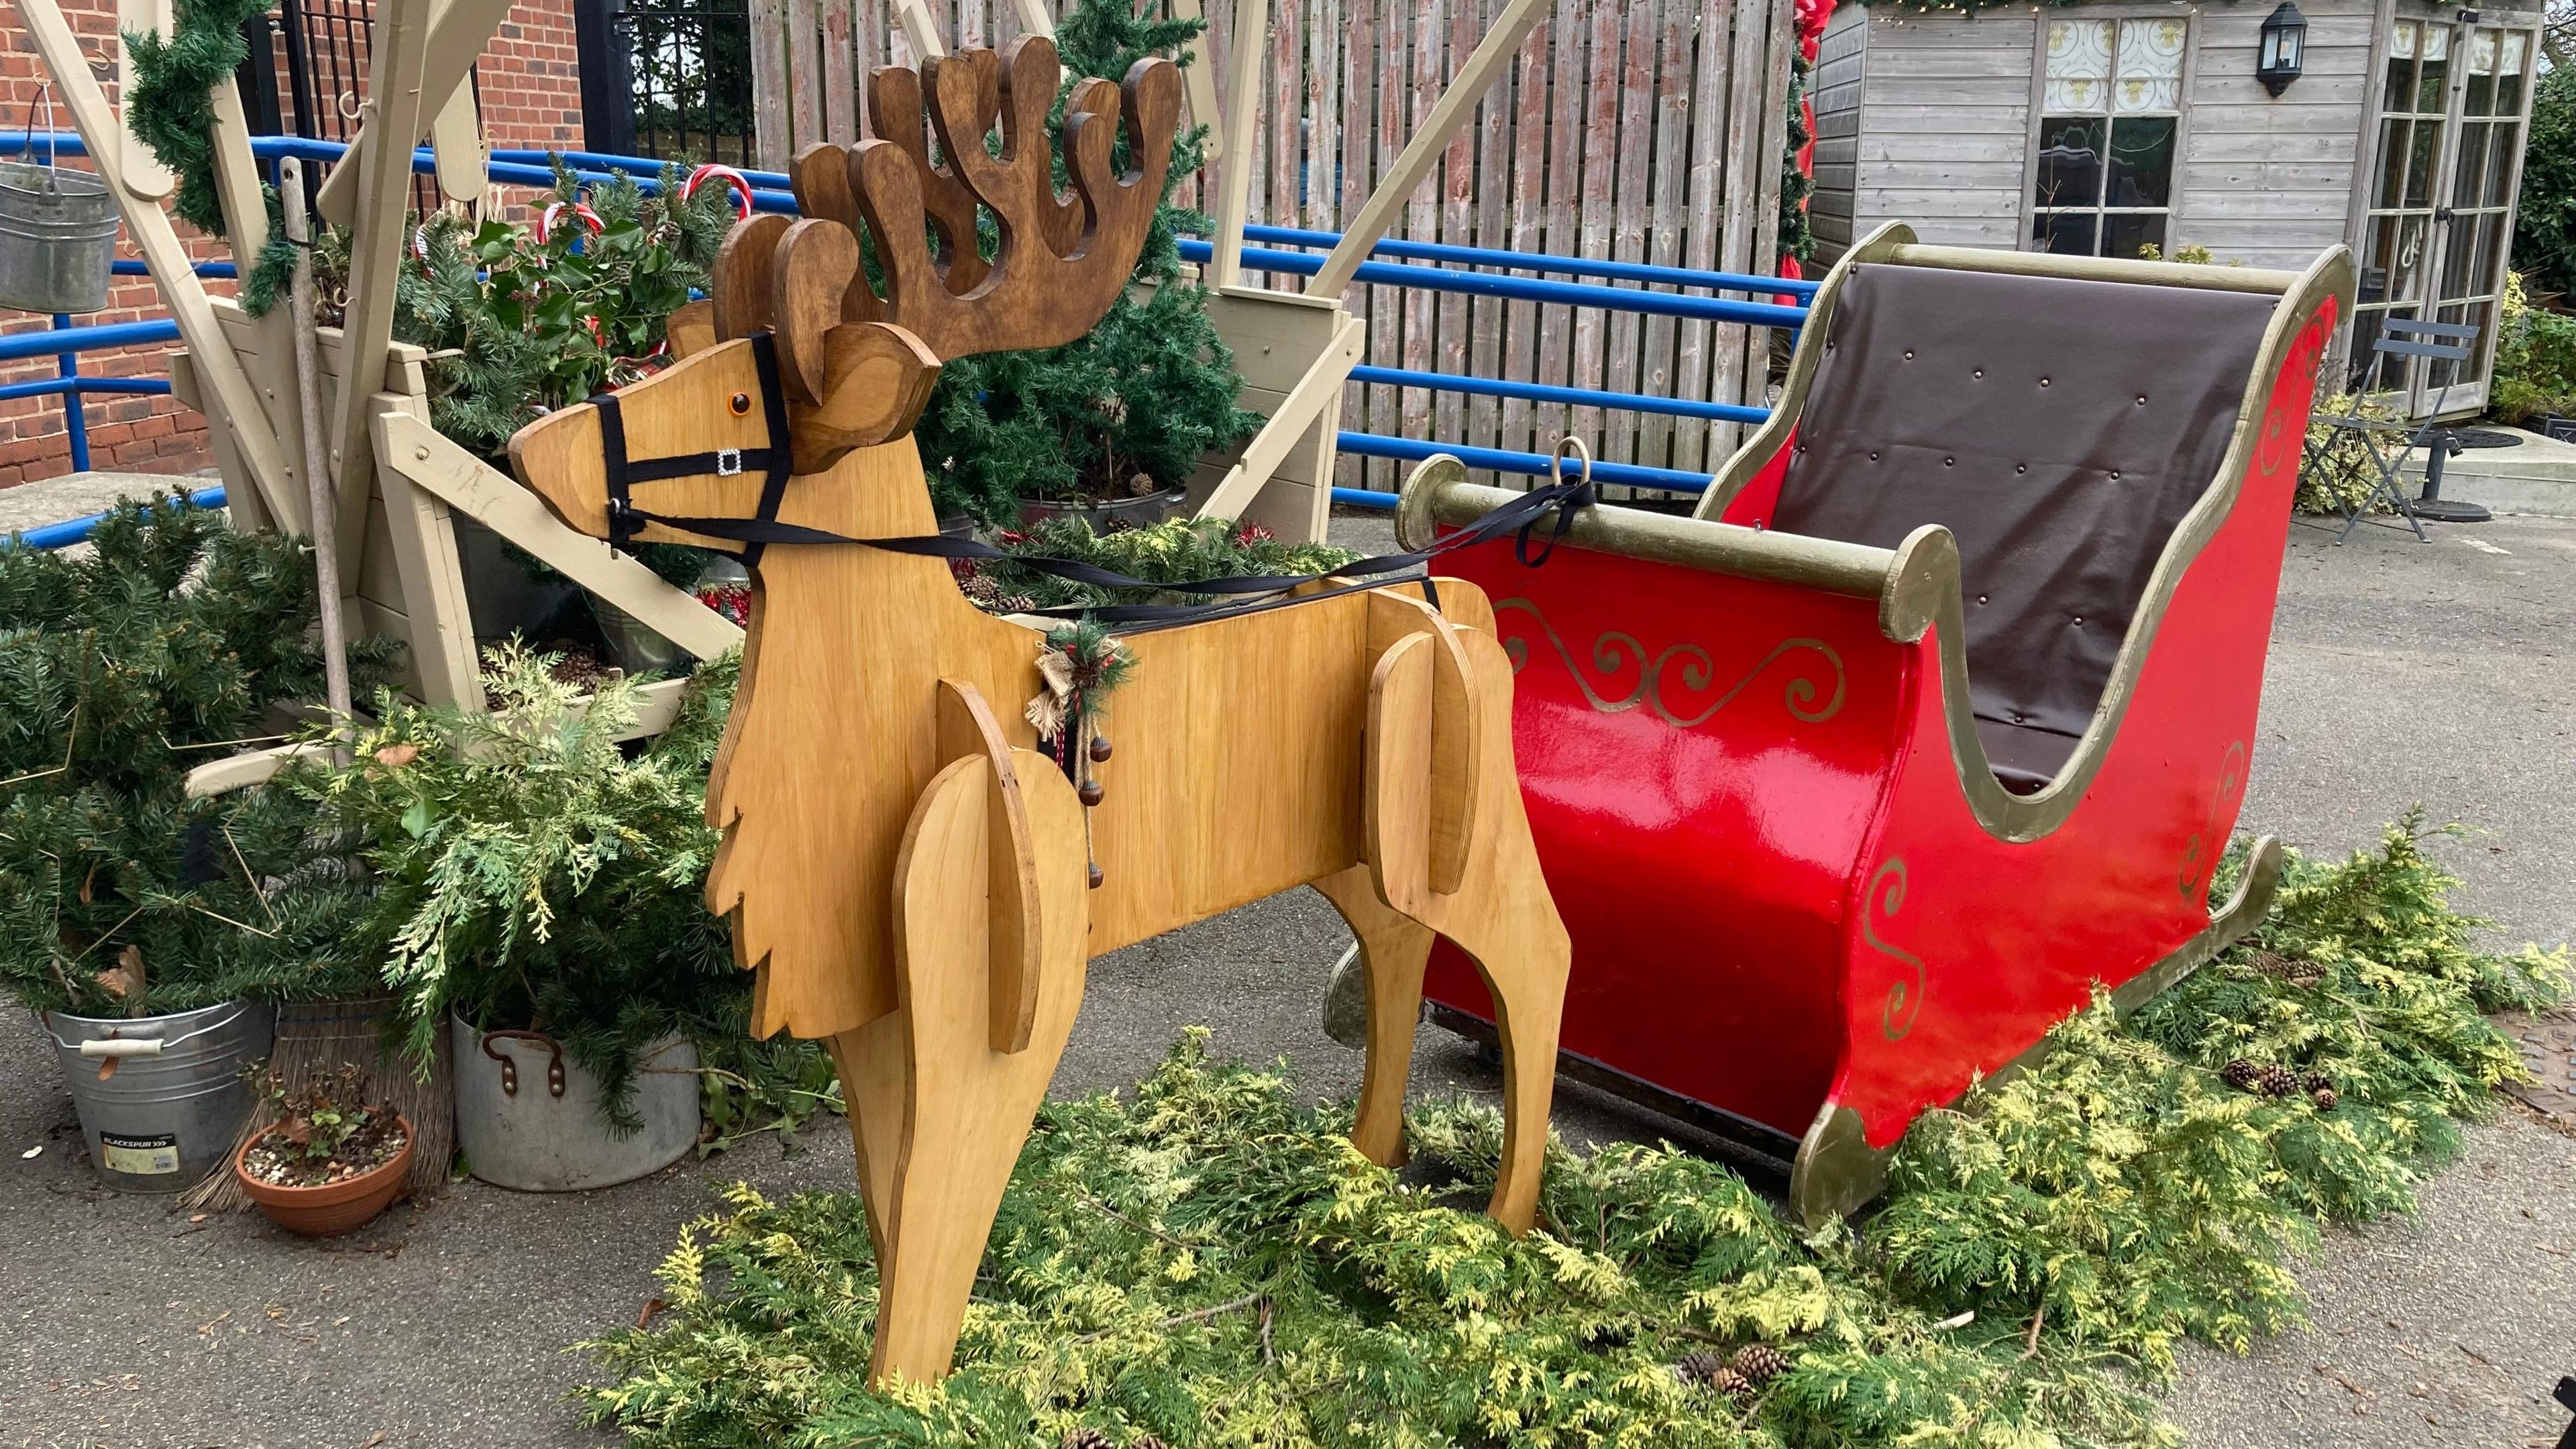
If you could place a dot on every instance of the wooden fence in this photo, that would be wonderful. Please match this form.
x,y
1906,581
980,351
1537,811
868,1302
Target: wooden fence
x,y
1634,130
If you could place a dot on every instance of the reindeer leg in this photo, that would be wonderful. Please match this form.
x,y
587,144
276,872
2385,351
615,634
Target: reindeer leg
x,y
1449,846
876,1086
961,921
1393,950
1521,951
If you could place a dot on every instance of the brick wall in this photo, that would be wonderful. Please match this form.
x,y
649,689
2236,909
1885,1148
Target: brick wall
x,y
531,94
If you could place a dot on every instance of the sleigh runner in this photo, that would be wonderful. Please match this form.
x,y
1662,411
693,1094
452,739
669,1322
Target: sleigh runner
x,y
1937,713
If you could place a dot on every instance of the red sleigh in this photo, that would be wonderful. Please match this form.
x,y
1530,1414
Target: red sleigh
x,y
1937,714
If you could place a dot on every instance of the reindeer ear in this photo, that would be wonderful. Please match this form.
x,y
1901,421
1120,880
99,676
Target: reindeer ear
x,y
744,264
880,379
816,262
691,330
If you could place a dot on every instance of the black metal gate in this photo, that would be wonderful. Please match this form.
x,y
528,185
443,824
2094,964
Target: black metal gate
x,y
666,78
326,54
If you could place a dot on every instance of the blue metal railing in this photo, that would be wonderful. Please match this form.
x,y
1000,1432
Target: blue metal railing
x,y
1508,275
77,530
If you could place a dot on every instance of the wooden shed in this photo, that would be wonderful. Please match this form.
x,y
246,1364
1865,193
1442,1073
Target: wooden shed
x,y
2106,127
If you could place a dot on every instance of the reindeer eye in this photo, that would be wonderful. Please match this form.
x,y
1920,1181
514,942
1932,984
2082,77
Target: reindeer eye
x,y
741,403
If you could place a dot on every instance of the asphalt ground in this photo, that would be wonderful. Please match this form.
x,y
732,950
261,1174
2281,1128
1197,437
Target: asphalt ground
x,y
2399,673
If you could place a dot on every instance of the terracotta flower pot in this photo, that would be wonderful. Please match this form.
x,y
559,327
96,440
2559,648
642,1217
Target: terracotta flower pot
x,y
333,1208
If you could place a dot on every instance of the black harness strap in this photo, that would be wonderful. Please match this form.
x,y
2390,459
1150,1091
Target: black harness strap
x,y
774,462
1521,516
1249,592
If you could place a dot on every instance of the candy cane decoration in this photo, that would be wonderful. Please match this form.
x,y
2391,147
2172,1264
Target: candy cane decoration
x,y
579,210
735,180
420,247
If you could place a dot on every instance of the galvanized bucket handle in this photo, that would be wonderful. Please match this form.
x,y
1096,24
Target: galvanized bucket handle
x,y
143,1046
53,140
510,1064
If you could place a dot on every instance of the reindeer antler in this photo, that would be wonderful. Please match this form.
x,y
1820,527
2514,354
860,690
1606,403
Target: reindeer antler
x,y
1061,262
857,367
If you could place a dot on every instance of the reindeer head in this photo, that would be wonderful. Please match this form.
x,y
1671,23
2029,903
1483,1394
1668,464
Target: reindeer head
x,y
794,360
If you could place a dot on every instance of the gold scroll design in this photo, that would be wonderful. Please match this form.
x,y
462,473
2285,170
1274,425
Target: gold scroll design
x,y
1884,897
1615,652
2200,852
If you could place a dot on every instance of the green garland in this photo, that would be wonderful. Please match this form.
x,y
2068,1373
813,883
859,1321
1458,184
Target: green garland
x,y
170,107
1797,232
1209,1263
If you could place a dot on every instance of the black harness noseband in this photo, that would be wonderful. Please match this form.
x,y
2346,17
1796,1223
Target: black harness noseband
x,y
772,462
1244,594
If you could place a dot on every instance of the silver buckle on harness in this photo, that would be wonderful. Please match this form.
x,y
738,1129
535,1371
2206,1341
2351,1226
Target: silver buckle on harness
x,y
728,462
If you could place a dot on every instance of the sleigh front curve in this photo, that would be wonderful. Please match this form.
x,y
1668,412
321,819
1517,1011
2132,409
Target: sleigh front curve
x,y
1940,712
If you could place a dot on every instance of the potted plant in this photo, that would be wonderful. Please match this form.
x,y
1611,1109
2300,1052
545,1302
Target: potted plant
x,y
1110,427
330,1158
538,897
150,929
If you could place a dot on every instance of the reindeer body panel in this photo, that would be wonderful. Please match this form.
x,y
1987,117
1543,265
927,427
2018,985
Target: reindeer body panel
x,y
906,874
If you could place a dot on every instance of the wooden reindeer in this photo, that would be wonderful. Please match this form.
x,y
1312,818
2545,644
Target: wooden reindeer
x,y
906,874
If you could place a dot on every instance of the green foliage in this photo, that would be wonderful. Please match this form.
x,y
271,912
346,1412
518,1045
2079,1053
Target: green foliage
x,y
1141,396
2544,231
2189,254
531,326
119,673
1173,552
2341,474
529,875
170,103
1211,1263
2535,359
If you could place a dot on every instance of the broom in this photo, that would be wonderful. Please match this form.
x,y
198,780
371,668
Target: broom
x,y
317,1040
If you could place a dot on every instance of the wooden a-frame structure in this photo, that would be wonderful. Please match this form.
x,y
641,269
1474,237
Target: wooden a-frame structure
x,y
400,485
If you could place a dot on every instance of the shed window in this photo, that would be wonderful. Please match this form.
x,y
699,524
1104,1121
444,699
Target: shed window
x,y
2110,103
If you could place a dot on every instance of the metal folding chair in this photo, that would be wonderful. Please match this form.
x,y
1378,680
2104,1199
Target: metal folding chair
x,y
2403,338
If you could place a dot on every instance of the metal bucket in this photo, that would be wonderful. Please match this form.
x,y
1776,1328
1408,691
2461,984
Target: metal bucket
x,y
175,1102
57,239
528,1115
634,645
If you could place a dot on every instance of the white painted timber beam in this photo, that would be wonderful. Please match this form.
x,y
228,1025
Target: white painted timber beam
x,y
474,488
395,107
1362,233
1307,402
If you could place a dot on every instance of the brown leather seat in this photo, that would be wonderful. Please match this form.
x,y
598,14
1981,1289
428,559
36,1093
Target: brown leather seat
x,y
2059,429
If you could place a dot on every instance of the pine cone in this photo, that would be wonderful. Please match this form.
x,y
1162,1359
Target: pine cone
x,y
2297,971
1697,1368
1086,1439
1147,1441
2277,1081
1759,1363
1730,1383
2325,1098
2316,1082
2241,1074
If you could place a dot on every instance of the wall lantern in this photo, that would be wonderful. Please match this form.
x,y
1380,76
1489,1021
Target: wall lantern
x,y
2284,52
